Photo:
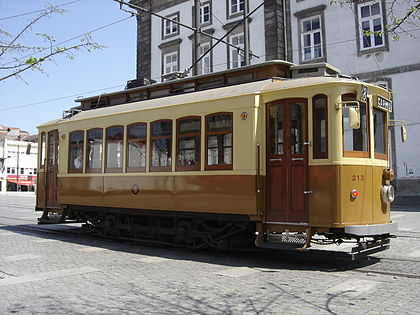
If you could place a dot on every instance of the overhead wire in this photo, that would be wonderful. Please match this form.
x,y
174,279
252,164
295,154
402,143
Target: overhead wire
x,y
37,11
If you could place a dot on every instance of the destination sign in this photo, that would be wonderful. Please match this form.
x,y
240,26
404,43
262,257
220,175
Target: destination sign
x,y
384,104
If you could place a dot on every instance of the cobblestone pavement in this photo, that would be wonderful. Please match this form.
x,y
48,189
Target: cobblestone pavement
x,y
65,273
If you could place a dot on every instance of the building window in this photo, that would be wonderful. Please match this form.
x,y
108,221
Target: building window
x,y
379,134
136,147
311,38
170,62
205,13
22,171
94,150
205,63
320,126
42,145
169,27
236,6
76,151
8,170
161,143
188,144
219,129
236,56
371,25
355,141
114,148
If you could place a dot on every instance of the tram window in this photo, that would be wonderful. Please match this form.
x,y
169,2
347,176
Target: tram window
x,y
219,141
94,150
161,142
43,143
297,130
379,134
114,148
188,144
136,147
52,149
320,126
76,151
355,141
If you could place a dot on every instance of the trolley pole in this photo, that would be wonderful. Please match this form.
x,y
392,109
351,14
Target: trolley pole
x,y
197,4
17,165
246,34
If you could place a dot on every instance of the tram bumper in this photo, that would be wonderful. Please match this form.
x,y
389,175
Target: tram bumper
x,y
370,230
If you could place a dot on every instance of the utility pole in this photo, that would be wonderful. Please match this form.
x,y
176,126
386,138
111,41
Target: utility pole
x,y
197,37
17,165
246,35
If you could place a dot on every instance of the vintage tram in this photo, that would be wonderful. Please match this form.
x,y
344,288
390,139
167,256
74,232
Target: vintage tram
x,y
267,154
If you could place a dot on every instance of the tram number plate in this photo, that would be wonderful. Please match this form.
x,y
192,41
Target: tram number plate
x,y
358,178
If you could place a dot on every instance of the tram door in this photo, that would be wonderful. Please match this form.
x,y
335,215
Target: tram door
x,y
52,167
287,199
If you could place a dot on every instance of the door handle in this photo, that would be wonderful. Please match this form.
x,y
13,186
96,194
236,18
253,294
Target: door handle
x,y
273,160
307,192
297,159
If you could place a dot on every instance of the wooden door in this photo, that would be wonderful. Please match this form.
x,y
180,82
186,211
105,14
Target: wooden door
x,y
52,167
287,199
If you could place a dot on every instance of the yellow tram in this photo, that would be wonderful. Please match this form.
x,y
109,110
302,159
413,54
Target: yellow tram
x,y
261,154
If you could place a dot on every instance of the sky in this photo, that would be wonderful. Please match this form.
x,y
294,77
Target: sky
x,y
40,97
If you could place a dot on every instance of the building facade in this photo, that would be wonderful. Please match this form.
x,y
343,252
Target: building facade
x,y
18,160
301,32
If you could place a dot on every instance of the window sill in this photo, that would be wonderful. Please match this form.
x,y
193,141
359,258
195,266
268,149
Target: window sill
x,y
373,50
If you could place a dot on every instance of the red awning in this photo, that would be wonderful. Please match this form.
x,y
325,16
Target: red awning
x,y
22,182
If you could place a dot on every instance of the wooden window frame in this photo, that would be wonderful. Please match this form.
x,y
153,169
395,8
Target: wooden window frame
x,y
135,169
381,156
152,138
113,169
224,132
87,168
43,150
69,163
316,154
357,154
198,149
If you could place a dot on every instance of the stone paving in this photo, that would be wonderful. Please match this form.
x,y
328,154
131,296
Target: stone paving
x,y
45,273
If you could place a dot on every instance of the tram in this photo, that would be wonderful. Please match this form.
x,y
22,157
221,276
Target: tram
x,y
268,154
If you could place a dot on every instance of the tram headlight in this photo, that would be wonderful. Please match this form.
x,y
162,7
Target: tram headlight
x,y
387,193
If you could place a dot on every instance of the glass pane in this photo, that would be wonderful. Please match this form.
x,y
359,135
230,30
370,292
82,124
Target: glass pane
x,y
355,139
317,38
307,40
365,11
76,137
320,126
95,155
379,118
306,25
317,51
315,24
376,9
219,149
297,130
115,133
51,149
212,152
219,122
76,157
188,154
114,155
161,152
190,125
162,128
136,131
95,135
136,154
276,129
43,143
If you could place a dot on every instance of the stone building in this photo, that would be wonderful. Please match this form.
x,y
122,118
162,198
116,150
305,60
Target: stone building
x,y
300,32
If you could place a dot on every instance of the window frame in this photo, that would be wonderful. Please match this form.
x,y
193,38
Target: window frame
x,y
381,156
175,17
92,169
113,169
315,153
224,132
160,168
231,3
198,149
75,170
359,20
232,50
203,5
164,64
209,56
357,154
311,34
127,156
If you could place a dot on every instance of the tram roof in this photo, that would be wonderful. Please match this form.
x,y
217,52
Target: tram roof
x,y
205,95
